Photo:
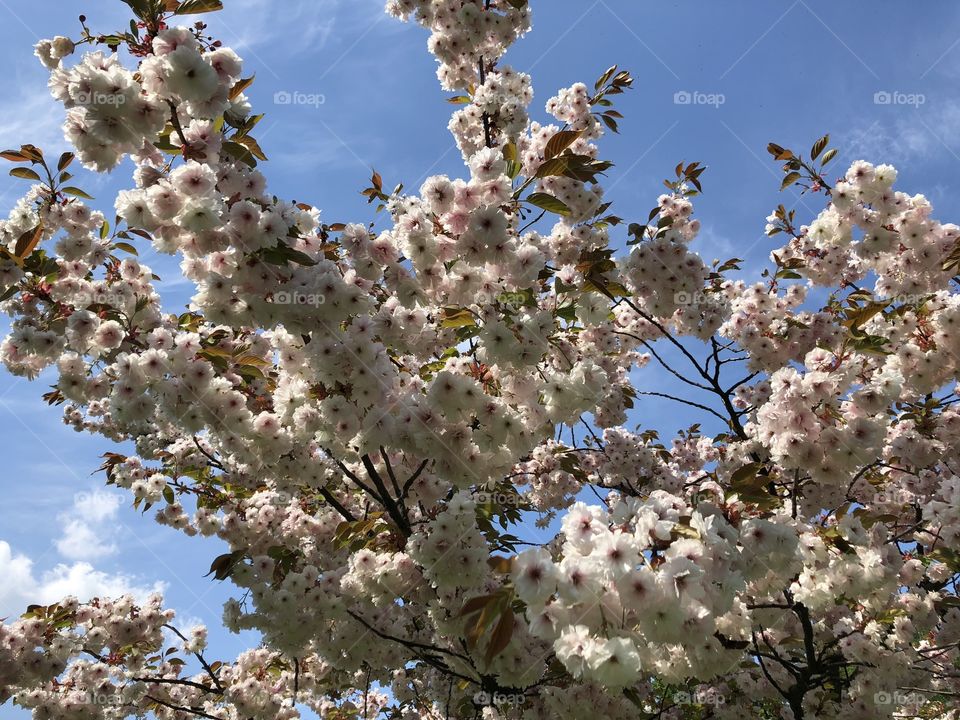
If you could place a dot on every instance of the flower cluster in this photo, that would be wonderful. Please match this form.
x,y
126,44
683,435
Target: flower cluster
x,y
643,577
374,420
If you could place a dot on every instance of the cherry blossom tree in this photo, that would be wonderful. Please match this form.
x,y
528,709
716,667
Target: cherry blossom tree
x,y
372,418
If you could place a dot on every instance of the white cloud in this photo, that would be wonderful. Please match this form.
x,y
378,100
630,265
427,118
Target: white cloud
x,y
86,534
20,587
82,542
714,244
97,506
916,133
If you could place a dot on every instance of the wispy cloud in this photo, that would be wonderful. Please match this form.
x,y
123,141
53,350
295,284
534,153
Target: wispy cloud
x,y
713,244
913,134
35,117
301,23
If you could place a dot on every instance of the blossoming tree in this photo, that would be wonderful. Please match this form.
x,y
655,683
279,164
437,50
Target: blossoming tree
x,y
371,419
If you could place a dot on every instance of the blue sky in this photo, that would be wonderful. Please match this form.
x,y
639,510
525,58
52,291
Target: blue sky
x,y
879,77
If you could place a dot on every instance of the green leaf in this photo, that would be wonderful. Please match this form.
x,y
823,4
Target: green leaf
x,y
28,241
13,156
126,246
32,152
223,565
140,7
603,79
857,316
788,275
548,203
252,360
250,144
588,171
25,173
239,152
476,604
819,146
502,635
193,7
560,142
778,152
76,192
555,166
747,472
789,180
163,143
871,345
828,156
282,254
64,161
947,556
578,167
610,123
456,318
680,530
512,160
731,264
500,564
241,85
